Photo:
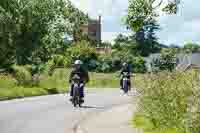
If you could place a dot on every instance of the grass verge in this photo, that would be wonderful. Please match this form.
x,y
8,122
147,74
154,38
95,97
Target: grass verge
x,y
57,83
169,103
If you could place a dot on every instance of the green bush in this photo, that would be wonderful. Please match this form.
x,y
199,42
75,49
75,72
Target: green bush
x,y
167,61
105,64
22,75
60,61
7,81
138,65
57,61
105,67
93,65
116,63
28,68
99,63
169,102
108,63
84,52
113,62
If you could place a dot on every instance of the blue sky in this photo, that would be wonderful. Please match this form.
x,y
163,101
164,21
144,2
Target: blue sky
x,y
175,29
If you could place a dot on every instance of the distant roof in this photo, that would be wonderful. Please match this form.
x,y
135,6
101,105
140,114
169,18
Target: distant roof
x,y
185,59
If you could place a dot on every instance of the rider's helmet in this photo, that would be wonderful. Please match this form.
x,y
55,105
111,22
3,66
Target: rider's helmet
x,y
125,64
78,64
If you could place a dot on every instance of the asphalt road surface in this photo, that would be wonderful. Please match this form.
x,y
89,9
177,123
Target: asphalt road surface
x,y
54,114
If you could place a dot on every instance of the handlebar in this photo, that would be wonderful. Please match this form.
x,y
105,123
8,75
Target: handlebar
x,y
131,75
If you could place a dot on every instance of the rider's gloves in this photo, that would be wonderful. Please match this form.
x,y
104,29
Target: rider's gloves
x,y
81,85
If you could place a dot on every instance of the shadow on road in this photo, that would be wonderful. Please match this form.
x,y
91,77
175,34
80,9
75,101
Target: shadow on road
x,y
92,107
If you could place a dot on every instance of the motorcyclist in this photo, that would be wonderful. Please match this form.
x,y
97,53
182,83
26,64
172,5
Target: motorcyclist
x,y
82,74
125,68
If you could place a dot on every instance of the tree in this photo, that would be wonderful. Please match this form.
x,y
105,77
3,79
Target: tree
x,y
25,24
171,7
7,29
119,41
151,39
83,51
167,60
141,19
141,43
141,11
32,30
175,47
145,39
191,48
77,18
106,44
126,44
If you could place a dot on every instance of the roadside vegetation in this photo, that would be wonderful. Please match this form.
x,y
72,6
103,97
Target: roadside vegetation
x,y
23,86
36,40
169,102
38,46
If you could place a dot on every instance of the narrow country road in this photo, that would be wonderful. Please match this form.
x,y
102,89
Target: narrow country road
x,y
54,114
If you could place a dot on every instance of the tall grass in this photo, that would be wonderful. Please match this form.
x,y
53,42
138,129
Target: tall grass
x,y
169,102
7,81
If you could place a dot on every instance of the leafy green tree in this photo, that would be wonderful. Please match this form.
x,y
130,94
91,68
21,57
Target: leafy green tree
x,y
146,39
138,65
151,40
141,43
106,44
141,19
141,11
77,18
120,41
171,7
176,48
83,51
167,60
191,48
125,44
32,30
26,22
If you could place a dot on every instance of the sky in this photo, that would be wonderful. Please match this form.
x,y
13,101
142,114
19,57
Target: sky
x,y
175,29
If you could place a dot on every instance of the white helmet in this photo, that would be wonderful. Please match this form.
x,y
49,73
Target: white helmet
x,y
78,62
124,64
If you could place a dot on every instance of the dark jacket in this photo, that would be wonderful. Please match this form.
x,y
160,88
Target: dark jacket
x,y
125,69
83,74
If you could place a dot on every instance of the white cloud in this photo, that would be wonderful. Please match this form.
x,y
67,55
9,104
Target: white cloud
x,y
109,8
185,26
